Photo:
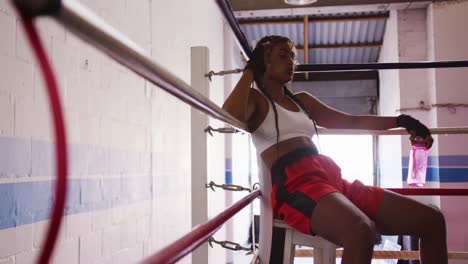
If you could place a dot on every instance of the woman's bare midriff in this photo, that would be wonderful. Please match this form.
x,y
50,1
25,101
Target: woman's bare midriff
x,y
271,154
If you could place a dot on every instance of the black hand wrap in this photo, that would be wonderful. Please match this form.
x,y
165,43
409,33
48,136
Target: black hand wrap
x,y
410,123
257,61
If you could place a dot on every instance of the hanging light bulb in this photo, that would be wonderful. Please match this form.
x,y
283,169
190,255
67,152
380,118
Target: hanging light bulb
x,y
299,2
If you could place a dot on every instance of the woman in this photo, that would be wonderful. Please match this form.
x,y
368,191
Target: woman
x,y
308,192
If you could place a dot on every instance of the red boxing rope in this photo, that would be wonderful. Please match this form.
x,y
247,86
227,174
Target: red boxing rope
x,y
60,137
430,191
201,233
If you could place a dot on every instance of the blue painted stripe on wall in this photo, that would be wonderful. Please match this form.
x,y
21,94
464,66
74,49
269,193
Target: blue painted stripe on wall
x,y
228,172
20,158
442,174
228,177
29,202
455,160
441,161
15,158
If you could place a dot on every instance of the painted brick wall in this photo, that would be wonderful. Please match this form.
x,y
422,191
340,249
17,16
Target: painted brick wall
x,y
108,113
415,87
129,140
450,43
431,34
389,146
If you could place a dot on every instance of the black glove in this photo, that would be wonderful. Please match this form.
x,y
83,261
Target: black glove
x,y
412,124
257,61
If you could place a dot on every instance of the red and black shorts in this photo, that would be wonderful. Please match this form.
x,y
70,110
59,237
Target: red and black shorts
x,y
302,177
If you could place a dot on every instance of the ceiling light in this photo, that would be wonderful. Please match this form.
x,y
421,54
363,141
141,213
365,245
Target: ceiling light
x,y
299,2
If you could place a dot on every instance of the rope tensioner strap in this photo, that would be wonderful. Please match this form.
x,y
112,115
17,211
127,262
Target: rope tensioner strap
x,y
211,73
224,130
228,187
232,246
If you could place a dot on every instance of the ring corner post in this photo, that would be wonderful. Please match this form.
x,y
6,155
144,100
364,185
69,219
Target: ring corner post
x,y
199,156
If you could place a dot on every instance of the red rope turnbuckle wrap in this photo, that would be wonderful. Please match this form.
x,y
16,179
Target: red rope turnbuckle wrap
x,y
60,139
430,191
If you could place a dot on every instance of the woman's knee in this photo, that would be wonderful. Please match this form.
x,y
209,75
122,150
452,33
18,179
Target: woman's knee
x,y
362,231
435,220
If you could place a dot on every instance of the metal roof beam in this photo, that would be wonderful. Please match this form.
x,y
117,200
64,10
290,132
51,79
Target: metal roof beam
x,y
312,19
337,76
325,10
377,44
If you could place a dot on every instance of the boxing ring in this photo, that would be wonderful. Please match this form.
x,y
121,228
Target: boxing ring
x,y
92,29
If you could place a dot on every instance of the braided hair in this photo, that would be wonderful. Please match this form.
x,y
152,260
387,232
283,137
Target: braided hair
x,y
258,68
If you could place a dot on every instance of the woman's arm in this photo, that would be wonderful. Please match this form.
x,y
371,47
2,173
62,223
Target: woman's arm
x,y
240,103
331,118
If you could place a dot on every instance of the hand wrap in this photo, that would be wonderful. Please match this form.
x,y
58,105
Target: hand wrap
x,y
257,61
412,124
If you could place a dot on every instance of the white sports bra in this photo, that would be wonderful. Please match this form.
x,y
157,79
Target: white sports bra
x,y
290,124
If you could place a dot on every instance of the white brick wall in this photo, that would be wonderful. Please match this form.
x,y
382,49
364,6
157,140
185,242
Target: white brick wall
x,y
389,147
67,252
6,115
90,247
412,34
5,7
451,43
17,77
27,257
128,255
412,46
7,27
22,47
100,220
39,232
9,260
32,119
16,240
109,106
89,238
142,231
129,233
50,29
111,240
78,224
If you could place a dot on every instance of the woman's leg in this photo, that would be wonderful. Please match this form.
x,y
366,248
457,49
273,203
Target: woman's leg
x,y
337,219
399,215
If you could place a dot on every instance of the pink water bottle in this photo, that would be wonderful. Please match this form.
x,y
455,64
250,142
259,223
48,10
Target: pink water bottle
x,y
417,163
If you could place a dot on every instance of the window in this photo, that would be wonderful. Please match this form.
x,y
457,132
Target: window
x,y
354,155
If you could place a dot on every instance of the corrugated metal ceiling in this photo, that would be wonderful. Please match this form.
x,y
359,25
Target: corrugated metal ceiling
x,y
353,40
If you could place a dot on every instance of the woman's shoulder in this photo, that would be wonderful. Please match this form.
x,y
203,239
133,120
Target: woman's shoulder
x,y
255,91
302,95
257,95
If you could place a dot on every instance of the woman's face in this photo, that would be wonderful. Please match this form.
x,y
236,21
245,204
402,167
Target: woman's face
x,y
279,62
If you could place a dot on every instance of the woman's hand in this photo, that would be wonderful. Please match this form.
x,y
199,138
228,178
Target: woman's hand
x,y
428,140
256,62
416,129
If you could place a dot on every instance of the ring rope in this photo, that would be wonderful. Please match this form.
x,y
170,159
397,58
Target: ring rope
x,y
385,254
430,191
60,138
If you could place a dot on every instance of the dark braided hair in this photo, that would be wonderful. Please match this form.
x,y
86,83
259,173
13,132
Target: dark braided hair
x,y
258,69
